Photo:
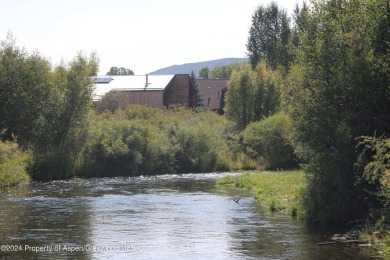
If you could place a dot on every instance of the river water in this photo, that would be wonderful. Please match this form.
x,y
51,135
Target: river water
x,y
160,217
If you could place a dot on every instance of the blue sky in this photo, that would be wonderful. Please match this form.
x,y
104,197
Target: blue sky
x,y
142,35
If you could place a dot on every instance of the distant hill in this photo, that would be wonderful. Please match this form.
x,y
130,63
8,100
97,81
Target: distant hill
x,y
196,66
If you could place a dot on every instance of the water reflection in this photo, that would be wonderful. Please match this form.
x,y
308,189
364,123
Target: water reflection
x,y
169,216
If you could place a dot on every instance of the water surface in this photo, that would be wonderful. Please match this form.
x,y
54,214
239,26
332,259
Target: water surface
x,y
161,217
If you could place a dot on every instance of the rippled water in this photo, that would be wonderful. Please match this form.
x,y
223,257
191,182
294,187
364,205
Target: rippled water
x,y
160,217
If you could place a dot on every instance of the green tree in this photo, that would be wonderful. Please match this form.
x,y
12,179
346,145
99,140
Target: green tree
x,y
115,71
252,95
63,125
338,90
269,37
24,91
198,97
224,71
204,73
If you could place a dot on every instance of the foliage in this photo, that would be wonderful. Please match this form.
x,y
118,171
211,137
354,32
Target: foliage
x,y
140,140
268,142
24,91
225,71
336,91
204,73
12,165
280,191
111,101
115,71
375,164
252,95
269,37
63,124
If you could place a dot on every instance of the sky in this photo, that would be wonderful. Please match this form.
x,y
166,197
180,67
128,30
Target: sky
x,y
142,35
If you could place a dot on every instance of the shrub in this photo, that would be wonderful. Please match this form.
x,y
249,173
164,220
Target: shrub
x,y
140,140
268,142
12,165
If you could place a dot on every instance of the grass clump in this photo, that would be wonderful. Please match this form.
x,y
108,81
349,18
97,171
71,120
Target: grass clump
x,y
12,165
279,191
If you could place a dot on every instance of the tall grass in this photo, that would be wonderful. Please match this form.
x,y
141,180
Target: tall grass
x,y
279,191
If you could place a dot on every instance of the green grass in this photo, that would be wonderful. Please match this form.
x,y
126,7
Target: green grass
x,y
279,191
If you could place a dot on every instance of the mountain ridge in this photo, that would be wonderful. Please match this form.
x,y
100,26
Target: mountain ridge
x,y
186,68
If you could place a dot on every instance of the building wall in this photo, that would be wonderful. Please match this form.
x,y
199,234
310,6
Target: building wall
x,y
150,98
179,92
213,89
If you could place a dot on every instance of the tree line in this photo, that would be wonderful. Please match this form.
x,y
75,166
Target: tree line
x,y
327,69
44,108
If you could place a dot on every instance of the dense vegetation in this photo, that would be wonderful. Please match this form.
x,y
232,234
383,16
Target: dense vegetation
x,y
140,140
44,108
332,72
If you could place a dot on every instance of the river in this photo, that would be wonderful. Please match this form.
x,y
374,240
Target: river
x,y
159,217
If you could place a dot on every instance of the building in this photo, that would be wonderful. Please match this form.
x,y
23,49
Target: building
x,y
156,91
213,92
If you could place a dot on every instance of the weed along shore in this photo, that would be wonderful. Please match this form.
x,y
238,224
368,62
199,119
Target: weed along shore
x,y
278,191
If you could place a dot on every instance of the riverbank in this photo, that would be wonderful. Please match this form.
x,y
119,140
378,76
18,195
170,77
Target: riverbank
x,y
279,191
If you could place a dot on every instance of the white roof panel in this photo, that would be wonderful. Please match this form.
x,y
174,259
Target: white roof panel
x,y
130,83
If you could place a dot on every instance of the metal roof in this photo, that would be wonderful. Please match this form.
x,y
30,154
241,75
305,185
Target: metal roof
x,y
104,84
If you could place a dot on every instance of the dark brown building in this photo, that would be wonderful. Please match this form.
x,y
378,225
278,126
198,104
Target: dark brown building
x,y
213,93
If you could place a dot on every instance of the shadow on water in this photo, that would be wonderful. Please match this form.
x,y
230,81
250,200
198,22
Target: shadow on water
x,y
167,216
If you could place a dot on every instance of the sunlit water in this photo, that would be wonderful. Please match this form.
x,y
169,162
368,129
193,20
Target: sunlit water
x,y
160,217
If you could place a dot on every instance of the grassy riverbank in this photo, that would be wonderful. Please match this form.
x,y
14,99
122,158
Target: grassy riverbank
x,y
277,190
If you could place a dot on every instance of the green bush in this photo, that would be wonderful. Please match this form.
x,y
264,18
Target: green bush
x,y
12,165
268,142
140,140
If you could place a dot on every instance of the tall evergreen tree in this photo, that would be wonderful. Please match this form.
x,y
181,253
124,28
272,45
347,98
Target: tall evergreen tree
x,y
198,97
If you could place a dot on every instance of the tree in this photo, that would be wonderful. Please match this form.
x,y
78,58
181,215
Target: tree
x,y
252,95
24,91
204,73
338,90
269,37
63,123
115,71
224,71
198,97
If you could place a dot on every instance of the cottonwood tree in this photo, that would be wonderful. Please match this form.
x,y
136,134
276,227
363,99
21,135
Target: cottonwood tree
x,y
338,90
269,37
63,125
25,84
204,73
115,71
224,71
252,95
